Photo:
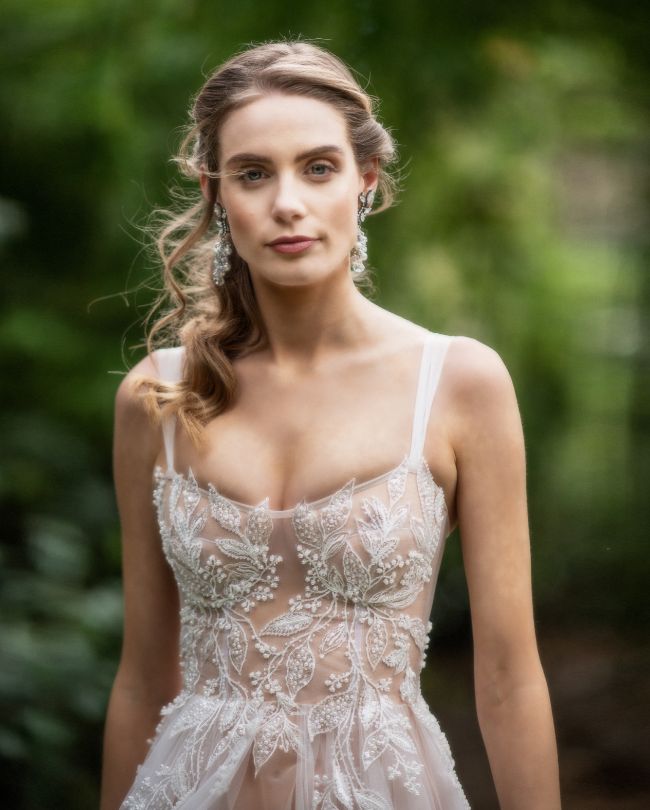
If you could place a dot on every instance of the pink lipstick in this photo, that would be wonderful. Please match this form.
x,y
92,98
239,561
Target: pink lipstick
x,y
292,244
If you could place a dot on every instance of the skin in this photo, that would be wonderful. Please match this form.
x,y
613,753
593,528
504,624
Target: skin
x,y
325,337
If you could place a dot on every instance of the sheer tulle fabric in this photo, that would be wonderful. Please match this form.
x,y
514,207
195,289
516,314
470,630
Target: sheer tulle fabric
x,y
303,635
310,778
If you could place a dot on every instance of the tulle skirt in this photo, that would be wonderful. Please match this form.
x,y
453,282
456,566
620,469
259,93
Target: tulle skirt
x,y
206,751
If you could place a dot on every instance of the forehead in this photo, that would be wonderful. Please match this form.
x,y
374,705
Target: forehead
x,y
280,124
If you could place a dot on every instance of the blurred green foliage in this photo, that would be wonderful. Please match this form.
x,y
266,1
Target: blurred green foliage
x,y
523,223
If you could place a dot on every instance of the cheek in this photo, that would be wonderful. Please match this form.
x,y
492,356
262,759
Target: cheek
x,y
343,219
352,229
242,225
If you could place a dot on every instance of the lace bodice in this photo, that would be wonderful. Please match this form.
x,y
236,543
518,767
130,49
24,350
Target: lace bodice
x,y
319,612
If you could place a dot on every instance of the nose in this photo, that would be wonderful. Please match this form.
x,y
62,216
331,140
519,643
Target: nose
x,y
288,203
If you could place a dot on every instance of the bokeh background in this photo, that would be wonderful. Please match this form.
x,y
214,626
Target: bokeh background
x,y
524,137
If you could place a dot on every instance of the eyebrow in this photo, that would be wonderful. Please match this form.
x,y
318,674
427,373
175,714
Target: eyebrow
x,y
249,157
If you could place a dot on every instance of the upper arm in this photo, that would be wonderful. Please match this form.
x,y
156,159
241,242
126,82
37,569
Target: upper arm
x,y
493,516
149,659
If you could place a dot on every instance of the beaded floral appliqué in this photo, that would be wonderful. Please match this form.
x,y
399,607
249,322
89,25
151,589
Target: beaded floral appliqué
x,y
344,651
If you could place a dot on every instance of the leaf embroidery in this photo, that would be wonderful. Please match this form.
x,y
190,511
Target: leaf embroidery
x,y
333,639
237,646
380,531
376,640
230,712
334,544
266,740
259,526
356,576
399,657
224,512
300,668
397,483
287,624
336,513
374,746
368,800
235,549
329,713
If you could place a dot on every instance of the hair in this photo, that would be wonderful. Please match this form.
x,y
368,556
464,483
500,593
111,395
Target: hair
x,y
217,324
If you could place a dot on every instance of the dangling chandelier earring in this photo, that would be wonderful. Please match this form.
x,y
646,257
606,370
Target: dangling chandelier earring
x,y
360,250
222,246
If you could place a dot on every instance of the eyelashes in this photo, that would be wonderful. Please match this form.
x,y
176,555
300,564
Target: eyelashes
x,y
323,166
244,177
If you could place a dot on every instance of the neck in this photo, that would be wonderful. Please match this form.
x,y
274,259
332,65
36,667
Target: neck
x,y
305,325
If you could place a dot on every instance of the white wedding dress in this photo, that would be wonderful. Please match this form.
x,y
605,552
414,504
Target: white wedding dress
x,y
303,634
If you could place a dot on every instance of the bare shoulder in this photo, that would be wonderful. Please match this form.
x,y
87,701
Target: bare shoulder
x,y
475,369
482,391
127,396
128,400
136,433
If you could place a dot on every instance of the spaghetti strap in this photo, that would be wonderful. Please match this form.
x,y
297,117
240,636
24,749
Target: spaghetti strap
x,y
169,362
433,355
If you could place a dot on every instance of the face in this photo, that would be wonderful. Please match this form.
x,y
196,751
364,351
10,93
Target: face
x,y
290,171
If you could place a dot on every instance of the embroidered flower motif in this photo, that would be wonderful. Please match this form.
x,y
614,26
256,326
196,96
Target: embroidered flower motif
x,y
352,635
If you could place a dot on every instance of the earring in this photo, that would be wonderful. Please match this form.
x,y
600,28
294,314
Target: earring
x,y
222,246
360,250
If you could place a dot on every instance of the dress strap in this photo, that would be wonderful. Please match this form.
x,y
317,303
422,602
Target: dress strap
x,y
170,366
433,356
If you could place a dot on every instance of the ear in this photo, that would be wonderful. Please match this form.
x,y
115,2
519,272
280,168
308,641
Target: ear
x,y
370,175
206,186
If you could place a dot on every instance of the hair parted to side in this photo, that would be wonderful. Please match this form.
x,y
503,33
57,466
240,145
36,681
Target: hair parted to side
x,y
218,324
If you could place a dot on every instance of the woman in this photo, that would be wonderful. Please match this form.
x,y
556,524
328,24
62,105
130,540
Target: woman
x,y
315,452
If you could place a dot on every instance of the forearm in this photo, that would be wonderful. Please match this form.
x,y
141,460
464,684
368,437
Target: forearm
x,y
130,723
517,727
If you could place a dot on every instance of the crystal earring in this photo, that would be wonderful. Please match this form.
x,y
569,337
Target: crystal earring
x,y
222,246
360,250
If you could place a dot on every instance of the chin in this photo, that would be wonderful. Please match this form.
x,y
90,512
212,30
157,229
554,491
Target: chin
x,y
301,278
299,270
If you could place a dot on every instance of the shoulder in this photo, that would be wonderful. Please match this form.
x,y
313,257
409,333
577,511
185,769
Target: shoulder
x,y
475,369
128,398
135,433
137,420
481,390
161,364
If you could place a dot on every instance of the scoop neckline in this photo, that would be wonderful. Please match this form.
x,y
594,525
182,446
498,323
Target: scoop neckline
x,y
211,489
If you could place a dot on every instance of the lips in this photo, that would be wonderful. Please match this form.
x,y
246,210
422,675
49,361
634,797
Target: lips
x,y
292,244
291,239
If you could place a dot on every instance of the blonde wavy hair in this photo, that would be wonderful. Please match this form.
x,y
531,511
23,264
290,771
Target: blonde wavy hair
x,y
218,324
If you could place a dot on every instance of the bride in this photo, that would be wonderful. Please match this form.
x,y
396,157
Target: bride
x,y
309,452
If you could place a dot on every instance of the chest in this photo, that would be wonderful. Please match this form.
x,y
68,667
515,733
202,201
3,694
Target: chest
x,y
289,439
247,463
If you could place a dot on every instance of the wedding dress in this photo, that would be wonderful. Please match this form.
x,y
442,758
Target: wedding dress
x,y
303,634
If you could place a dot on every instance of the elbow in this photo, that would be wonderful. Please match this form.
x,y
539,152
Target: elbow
x,y
144,689
497,681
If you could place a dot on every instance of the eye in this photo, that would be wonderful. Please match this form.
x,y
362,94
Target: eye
x,y
244,176
320,166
